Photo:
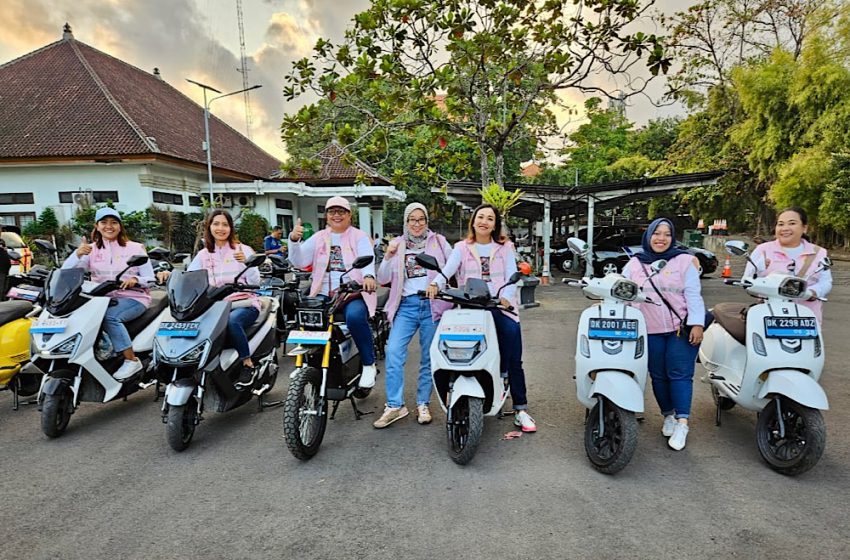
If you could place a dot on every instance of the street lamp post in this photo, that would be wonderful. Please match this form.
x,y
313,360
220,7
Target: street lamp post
x,y
207,104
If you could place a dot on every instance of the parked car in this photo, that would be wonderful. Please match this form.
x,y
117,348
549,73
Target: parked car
x,y
15,244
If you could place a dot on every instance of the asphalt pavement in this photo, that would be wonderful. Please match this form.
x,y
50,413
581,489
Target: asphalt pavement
x,y
112,488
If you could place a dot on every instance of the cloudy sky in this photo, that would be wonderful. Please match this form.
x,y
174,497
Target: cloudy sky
x,y
199,39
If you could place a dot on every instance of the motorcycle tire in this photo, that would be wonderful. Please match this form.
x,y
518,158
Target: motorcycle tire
x,y
304,432
180,424
725,403
465,429
804,441
56,413
610,453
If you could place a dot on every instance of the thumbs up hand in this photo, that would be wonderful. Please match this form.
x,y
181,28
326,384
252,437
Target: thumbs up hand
x,y
393,248
84,248
297,231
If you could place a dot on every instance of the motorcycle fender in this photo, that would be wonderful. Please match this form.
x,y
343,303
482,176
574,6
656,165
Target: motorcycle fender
x,y
31,369
54,386
795,385
465,387
619,388
178,393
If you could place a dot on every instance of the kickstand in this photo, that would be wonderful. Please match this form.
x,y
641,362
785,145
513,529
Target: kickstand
x,y
262,405
357,412
717,415
333,410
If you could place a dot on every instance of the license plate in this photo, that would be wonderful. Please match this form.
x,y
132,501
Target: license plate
x,y
179,329
791,327
308,337
48,326
613,329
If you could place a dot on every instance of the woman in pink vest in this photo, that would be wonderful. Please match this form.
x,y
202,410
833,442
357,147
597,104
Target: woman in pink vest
x,y
489,255
792,252
331,252
675,327
408,312
104,258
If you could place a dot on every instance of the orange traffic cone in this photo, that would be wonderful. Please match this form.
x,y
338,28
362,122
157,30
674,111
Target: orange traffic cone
x,y
727,268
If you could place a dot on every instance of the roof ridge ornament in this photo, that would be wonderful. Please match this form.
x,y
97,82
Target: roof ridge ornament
x,y
66,32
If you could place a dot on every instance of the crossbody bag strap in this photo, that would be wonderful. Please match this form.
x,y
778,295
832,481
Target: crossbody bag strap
x,y
807,263
663,299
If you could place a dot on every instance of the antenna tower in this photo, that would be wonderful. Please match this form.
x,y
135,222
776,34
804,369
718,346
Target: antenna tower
x,y
244,69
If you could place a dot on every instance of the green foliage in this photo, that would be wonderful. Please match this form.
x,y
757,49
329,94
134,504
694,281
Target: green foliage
x,y
252,229
500,198
45,226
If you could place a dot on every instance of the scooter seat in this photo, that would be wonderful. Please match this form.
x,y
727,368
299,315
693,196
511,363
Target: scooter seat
x,y
383,296
13,310
265,306
733,318
159,301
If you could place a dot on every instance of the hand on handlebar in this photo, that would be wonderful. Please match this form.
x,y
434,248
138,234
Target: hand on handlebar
x,y
506,304
129,283
162,276
431,291
369,285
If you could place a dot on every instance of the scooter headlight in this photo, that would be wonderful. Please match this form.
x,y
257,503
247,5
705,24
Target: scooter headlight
x,y
624,290
66,347
462,351
311,318
196,354
792,288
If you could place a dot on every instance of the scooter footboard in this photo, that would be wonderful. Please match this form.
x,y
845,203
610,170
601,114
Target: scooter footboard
x,y
795,385
178,393
619,388
465,387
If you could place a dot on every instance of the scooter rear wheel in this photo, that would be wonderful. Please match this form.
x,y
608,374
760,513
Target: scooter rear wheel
x,y
304,414
804,440
180,424
465,429
56,413
612,451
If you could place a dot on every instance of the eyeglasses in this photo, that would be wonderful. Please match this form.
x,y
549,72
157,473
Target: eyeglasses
x,y
417,221
336,211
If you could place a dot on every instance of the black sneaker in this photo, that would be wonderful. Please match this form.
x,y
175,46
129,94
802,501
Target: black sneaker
x,y
246,378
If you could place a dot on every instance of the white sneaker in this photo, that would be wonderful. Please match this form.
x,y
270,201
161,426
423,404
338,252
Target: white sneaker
x,y
669,425
423,414
680,434
525,421
367,378
127,370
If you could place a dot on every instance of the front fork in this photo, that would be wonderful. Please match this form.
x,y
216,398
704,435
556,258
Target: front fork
x,y
199,397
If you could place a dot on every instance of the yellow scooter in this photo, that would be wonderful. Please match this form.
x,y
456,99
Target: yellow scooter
x,y
15,319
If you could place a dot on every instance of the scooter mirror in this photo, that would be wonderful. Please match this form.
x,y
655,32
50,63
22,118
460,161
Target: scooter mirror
x,y
180,257
525,269
657,266
577,246
14,255
427,262
362,262
137,260
515,277
46,246
826,263
255,260
737,248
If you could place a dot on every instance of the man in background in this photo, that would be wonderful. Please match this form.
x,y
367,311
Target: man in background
x,y
272,244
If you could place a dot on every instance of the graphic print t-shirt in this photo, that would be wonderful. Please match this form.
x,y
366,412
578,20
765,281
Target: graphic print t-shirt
x,y
415,277
484,259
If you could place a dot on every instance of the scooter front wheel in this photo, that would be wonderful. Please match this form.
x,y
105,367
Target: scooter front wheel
x,y
796,444
610,446
465,428
180,424
56,413
304,414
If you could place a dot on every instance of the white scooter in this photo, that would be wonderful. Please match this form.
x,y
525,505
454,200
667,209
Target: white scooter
x,y
465,361
768,357
611,365
64,340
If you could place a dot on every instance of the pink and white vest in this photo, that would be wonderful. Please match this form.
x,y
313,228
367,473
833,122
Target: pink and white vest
x,y
322,256
222,267
671,283
436,246
470,267
105,263
776,260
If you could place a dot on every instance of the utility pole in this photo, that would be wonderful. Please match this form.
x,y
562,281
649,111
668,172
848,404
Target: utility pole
x,y
244,69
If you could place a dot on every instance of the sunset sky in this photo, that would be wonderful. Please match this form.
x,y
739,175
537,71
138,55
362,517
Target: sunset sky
x,y
199,39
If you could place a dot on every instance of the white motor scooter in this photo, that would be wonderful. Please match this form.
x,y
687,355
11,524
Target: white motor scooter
x,y
611,365
64,340
465,361
768,357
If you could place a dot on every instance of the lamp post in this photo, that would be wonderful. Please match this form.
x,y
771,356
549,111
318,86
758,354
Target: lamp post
x,y
207,104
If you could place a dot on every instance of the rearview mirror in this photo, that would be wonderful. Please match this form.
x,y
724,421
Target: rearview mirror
x,y
255,260
44,245
515,277
657,266
14,255
737,248
577,246
826,263
362,262
427,262
137,260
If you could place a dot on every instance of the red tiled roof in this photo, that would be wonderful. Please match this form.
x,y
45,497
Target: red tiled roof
x,y
68,99
335,170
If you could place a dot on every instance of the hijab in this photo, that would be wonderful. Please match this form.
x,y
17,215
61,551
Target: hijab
x,y
415,242
648,256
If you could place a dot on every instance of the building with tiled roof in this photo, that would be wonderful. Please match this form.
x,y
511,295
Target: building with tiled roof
x,y
78,126
336,166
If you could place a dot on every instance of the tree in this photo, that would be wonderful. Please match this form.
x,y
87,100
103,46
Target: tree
x,y
252,229
485,71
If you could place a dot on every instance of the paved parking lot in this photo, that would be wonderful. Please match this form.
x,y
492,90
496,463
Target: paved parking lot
x,y
111,487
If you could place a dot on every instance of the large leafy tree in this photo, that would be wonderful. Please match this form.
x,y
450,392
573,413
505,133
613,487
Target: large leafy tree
x,y
486,71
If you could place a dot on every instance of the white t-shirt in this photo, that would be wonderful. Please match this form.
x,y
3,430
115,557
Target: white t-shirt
x,y
301,255
415,277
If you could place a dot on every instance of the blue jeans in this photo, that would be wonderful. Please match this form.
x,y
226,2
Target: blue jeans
x,y
124,310
357,319
509,334
413,313
671,367
240,319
